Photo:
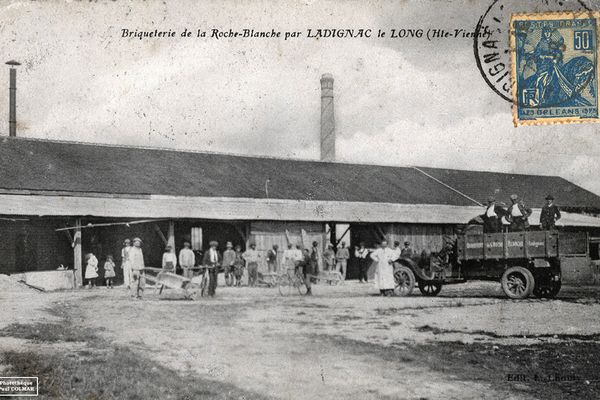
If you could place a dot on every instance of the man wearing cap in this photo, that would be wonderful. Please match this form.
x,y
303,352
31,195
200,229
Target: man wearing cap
x,y
228,261
492,218
252,256
136,260
187,260
407,251
550,214
212,260
518,214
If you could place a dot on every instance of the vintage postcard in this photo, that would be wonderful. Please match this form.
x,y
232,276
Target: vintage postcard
x,y
299,199
554,67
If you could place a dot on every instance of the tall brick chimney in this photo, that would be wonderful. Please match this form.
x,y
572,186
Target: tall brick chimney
x,y
12,98
327,119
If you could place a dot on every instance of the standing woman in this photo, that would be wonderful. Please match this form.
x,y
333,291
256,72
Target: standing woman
x,y
384,272
125,263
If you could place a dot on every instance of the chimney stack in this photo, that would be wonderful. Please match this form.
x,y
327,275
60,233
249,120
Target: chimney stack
x,y
12,100
327,119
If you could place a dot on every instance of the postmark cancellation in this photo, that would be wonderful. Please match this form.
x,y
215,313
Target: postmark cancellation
x,y
554,67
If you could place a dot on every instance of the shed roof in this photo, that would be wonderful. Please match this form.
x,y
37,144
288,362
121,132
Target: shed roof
x,y
72,167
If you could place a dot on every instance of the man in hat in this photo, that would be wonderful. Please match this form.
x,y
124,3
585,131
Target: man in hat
x,y
492,218
228,263
136,260
407,251
212,260
252,256
187,260
518,214
550,214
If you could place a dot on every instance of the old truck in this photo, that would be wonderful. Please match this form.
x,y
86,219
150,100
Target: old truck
x,y
524,263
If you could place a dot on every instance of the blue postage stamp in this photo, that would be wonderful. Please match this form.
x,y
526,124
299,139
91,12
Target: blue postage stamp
x,y
554,68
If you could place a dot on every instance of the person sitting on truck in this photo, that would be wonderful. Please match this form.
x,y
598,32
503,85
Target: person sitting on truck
x,y
492,218
407,251
550,214
518,214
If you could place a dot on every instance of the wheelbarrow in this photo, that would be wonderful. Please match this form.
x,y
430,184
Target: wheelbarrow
x,y
166,279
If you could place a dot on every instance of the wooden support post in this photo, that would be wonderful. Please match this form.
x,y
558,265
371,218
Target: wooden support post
x,y
160,234
77,256
171,235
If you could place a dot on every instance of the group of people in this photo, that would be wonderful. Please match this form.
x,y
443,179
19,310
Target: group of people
x,y
307,261
516,216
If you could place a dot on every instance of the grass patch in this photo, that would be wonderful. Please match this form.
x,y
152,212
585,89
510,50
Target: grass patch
x,y
549,371
47,332
114,374
101,370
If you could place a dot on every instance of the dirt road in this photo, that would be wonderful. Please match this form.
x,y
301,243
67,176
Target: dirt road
x,y
346,342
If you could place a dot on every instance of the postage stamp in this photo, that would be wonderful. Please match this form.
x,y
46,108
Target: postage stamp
x,y
554,67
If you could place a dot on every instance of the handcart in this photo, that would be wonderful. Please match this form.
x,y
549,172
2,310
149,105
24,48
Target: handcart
x,y
166,279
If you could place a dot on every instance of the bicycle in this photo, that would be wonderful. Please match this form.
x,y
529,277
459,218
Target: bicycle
x,y
204,269
291,280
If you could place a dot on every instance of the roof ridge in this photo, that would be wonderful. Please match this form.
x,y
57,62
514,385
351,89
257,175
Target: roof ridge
x,y
192,151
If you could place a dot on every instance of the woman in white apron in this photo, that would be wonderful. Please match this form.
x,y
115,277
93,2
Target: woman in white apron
x,y
125,263
384,269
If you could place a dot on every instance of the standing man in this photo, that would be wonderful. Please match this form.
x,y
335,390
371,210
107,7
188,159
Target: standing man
x,y
136,260
252,256
384,272
550,214
315,256
212,259
342,256
329,258
187,260
362,253
228,263
407,251
518,214
289,258
272,259
305,266
492,218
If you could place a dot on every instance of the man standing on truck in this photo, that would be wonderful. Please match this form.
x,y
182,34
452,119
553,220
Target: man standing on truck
x,y
492,218
550,214
518,214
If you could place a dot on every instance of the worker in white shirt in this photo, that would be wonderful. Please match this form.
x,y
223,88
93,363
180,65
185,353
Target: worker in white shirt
x,y
187,260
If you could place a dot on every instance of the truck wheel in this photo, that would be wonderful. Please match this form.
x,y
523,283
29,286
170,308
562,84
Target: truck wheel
x,y
405,281
547,291
430,289
517,282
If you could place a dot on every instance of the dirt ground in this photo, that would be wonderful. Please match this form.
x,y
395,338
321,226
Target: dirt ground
x,y
344,342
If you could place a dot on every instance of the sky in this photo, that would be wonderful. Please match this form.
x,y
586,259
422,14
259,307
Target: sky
x,y
397,101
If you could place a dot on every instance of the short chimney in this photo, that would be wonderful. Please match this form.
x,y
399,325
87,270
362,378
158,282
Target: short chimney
x,y
327,119
12,99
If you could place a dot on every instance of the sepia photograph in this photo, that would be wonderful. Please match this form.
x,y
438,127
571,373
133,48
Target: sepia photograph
x,y
300,199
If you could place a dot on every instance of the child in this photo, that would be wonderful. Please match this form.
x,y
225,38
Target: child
x,y
109,271
91,270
